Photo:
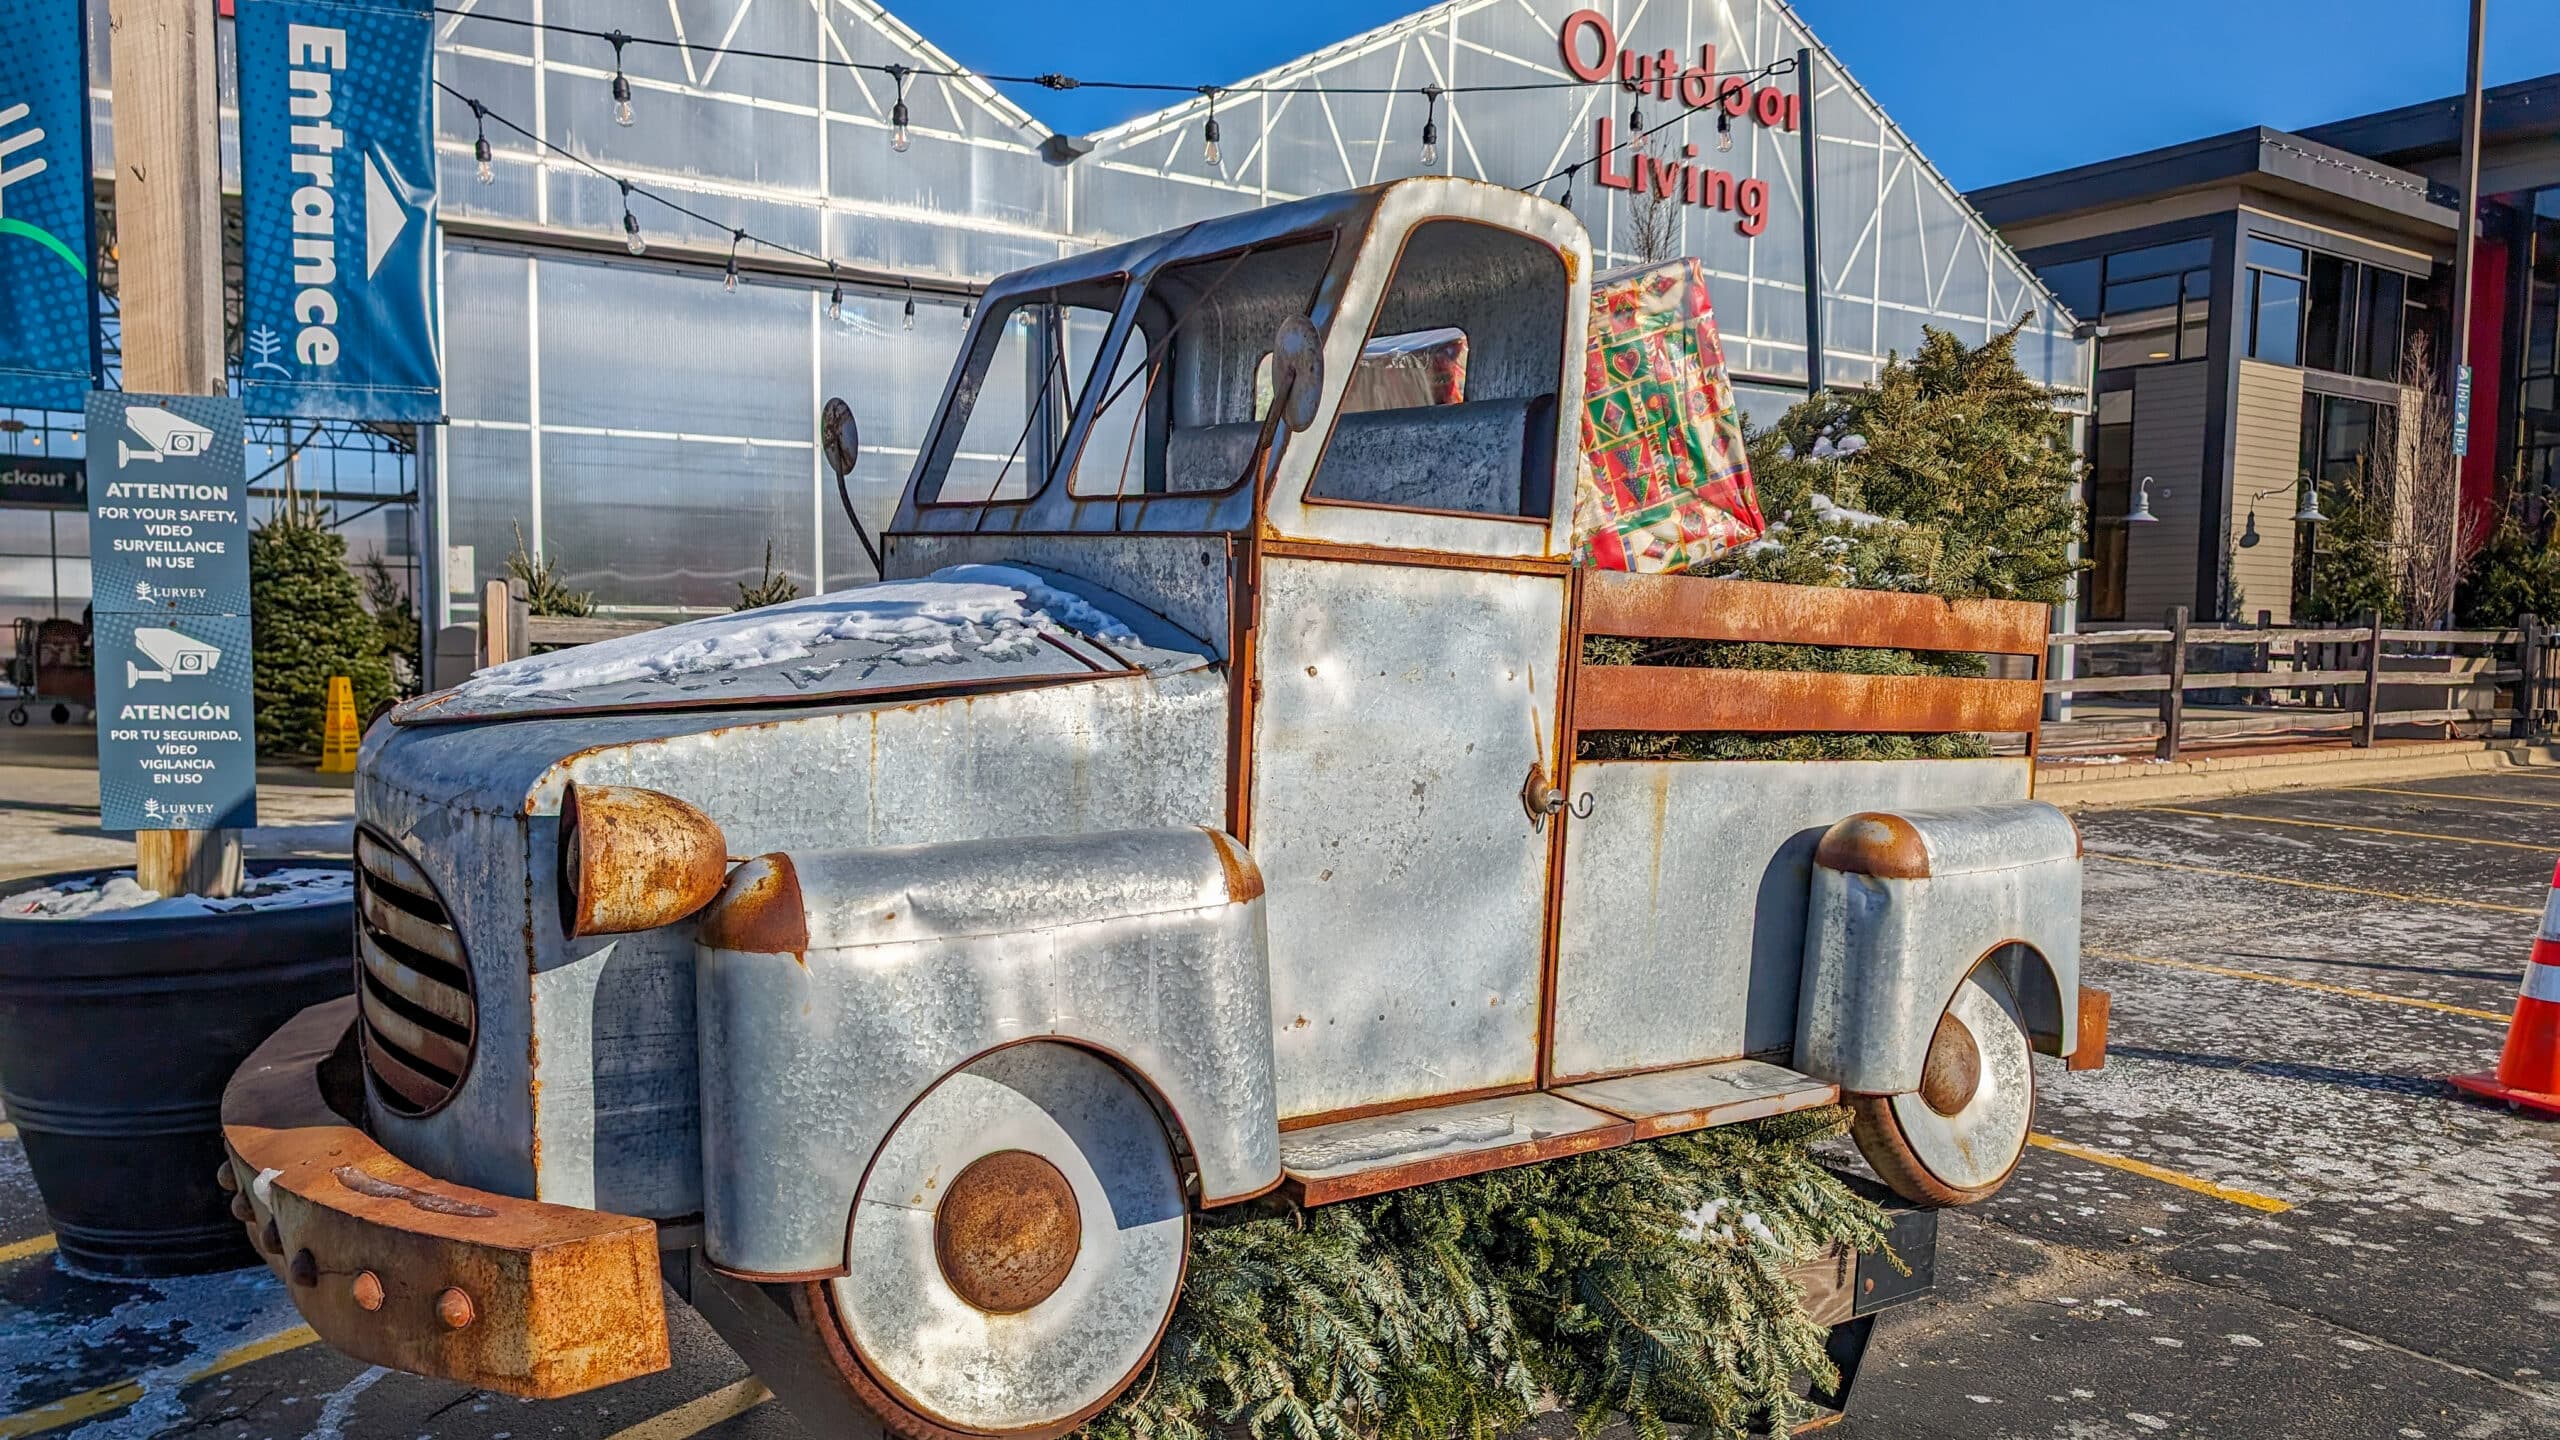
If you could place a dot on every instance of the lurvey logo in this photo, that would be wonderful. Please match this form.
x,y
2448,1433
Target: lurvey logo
x,y
15,137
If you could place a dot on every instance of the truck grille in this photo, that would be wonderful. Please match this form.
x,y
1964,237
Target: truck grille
x,y
413,982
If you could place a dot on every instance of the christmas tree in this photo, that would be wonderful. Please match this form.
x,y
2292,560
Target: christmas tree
x,y
310,623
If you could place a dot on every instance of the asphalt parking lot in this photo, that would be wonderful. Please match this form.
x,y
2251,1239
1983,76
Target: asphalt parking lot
x,y
2268,1216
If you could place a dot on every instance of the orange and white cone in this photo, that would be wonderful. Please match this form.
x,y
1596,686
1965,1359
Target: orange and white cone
x,y
2528,1074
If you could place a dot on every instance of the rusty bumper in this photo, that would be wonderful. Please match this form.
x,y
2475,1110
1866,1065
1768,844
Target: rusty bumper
x,y
396,1267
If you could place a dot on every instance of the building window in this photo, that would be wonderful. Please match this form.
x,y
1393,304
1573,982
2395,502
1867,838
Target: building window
x,y
2153,301
2538,380
2275,301
2323,312
2110,496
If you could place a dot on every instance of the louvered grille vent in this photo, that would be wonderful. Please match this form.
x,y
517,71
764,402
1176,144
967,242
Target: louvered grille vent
x,y
413,983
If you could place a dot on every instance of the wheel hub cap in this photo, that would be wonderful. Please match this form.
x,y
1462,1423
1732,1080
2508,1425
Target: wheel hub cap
x,y
1007,1232
1953,1070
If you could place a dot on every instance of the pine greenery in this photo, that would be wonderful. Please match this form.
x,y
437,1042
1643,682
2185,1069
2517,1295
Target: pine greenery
x,y
544,593
2351,568
776,587
1953,477
397,618
1647,1282
309,622
2516,573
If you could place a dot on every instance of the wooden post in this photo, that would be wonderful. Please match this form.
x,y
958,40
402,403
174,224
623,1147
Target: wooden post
x,y
2521,725
2365,726
496,645
169,274
2173,701
2264,661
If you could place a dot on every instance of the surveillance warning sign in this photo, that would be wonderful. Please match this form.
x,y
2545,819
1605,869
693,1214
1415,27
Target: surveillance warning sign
x,y
176,746
169,580
168,512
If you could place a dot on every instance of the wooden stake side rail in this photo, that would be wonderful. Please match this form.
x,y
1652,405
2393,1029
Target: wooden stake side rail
x,y
1669,698
1688,607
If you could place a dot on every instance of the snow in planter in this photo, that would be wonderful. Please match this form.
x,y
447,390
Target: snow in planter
x,y
121,897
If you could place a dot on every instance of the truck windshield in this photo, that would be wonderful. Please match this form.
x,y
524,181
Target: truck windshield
x,y
1029,360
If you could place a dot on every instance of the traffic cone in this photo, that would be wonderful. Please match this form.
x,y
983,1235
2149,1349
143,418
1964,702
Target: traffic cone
x,y
2528,1075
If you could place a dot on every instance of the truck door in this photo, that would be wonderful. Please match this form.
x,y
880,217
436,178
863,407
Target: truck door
x,y
1412,595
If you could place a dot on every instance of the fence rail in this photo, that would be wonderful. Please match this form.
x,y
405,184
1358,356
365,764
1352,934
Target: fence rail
x,y
2269,682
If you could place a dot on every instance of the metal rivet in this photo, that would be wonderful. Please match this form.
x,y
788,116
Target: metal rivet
x,y
223,1177
271,1239
241,1211
454,1309
303,1269
367,1290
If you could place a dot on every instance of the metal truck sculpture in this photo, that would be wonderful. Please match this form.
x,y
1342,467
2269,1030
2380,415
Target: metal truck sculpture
x,y
1193,813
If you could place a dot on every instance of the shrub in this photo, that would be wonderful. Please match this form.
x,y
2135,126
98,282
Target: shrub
x,y
309,623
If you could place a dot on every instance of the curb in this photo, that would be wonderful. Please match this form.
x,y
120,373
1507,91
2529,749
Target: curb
x,y
2141,782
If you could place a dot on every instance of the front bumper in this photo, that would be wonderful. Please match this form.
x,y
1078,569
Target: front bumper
x,y
398,1268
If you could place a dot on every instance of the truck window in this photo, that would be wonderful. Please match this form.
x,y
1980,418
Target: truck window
x,y
1178,414
1485,445
1006,421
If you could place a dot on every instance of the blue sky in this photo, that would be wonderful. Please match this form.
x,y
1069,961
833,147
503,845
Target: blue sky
x,y
1990,90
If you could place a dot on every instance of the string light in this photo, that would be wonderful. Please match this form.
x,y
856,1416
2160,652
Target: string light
x,y
1635,110
898,111
1430,125
835,294
729,281
1724,130
1568,185
909,319
1209,131
480,146
968,310
621,82
631,240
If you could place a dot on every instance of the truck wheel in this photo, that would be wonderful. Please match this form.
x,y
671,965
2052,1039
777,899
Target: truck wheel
x,y
1015,1252
1957,1138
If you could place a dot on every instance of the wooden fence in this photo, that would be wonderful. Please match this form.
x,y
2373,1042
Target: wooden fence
x,y
2266,682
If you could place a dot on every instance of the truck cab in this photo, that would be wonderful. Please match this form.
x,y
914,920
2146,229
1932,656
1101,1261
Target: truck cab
x,y
1196,810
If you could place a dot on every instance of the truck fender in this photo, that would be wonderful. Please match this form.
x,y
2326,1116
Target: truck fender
x,y
1905,905
834,988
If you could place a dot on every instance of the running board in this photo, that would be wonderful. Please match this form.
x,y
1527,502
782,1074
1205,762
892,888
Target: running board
x,y
1378,1153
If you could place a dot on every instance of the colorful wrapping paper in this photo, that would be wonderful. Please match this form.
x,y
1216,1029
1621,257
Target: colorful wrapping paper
x,y
1664,480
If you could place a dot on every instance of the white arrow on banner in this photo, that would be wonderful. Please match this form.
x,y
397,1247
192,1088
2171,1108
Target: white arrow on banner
x,y
384,216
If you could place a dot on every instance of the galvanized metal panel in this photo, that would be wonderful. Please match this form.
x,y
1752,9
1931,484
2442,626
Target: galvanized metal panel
x,y
1694,1097
1685,895
1125,942
1401,707
1181,577
1374,1153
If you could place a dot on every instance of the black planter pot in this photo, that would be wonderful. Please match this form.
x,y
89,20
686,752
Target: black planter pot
x,y
117,1035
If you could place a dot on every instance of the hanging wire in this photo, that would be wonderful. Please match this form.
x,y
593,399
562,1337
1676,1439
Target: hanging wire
x,y
1635,136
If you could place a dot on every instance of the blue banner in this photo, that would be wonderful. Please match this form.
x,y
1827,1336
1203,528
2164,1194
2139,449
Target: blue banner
x,y
338,199
48,350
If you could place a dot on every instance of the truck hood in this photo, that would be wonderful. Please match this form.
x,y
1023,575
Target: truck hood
x,y
965,628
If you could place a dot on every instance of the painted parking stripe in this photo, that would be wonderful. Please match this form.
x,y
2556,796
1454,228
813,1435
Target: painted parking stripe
x,y
2331,888
90,1404
2233,1194
2350,991
2453,795
699,1414
2359,829
17,1250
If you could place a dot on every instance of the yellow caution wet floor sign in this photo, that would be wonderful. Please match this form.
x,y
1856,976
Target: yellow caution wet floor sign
x,y
338,733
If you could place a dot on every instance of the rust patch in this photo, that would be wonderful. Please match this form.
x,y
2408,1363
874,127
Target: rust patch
x,y
1678,698
2090,1053
1690,607
634,859
1953,1070
1244,878
761,911
363,1184
1874,843
1007,1232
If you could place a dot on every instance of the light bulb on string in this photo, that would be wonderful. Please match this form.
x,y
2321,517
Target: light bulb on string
x,y
1430,124
968,310
835,294
1635,118
1209,130
631,240
729,281
908,320
898,111
480,143
621,82
1724,131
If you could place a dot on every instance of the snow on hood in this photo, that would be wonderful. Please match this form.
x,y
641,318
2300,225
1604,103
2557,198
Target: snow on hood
x,y
960,626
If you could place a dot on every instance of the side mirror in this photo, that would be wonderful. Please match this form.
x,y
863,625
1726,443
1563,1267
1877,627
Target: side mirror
x,y
840,439
1297,373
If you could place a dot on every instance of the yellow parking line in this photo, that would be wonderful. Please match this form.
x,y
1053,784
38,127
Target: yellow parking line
x,y
697,1415
2315,884
2359,829
2452,795
2350,991
2148,1171
92,1403
8,1131
11,1254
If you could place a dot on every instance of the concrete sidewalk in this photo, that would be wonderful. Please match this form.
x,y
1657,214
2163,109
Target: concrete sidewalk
x,y
49,808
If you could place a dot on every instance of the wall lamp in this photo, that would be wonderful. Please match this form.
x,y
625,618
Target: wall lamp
x,y
2307,514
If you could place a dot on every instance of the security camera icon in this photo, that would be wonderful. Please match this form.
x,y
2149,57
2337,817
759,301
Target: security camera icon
x,y
175,654
163,435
